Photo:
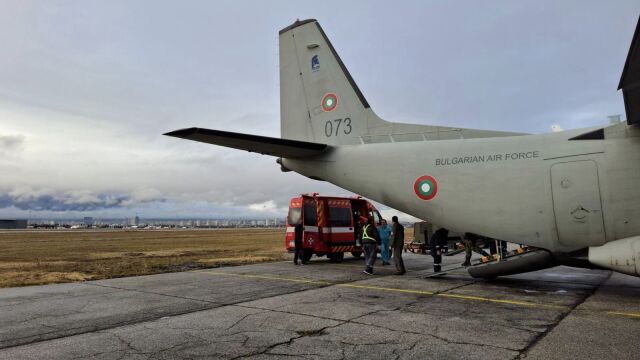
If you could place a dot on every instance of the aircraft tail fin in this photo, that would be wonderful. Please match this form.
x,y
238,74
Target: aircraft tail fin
x,y
320,101
630,80
252,143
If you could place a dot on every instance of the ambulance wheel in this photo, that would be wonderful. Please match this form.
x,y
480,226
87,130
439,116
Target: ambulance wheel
x,y
306,255
356,254
336,257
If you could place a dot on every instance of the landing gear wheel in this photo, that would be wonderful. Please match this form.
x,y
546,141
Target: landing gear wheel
x,y
336,257
356,254
306,255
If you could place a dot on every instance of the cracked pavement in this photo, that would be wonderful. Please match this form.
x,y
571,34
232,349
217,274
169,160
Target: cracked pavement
x,y
326,311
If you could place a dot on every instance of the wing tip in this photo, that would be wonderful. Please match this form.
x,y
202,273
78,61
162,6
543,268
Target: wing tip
x,y
180,133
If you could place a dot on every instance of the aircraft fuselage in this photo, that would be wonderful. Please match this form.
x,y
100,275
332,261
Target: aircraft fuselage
x,y
541,190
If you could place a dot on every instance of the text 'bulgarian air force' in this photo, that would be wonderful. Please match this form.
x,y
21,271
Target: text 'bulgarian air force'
x,y
487,158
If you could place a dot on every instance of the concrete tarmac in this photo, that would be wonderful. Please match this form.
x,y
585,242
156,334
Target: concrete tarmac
x,y
327,311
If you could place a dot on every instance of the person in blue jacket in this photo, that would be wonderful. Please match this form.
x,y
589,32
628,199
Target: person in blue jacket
x,y
384,231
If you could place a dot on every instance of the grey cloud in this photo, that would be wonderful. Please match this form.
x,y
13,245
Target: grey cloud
x,y
94,90
56,201
11,143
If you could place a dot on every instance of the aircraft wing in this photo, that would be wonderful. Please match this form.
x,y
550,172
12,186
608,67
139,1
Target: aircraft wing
x,y
253,143
630,80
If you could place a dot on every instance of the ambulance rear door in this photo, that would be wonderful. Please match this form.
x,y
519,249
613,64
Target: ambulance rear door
x,y
294,217
310,236
340,225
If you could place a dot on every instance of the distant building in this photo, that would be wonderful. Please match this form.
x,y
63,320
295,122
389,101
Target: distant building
x,y
13,224
88,221
134,221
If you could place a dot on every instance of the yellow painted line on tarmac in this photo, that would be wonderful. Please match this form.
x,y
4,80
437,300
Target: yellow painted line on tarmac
x,y
368,287
388,289
349,265
383,269
388,269
270,277
502,301
455,296
617,313
418,292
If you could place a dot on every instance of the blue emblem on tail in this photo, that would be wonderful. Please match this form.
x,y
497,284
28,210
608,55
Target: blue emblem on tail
x,y
315,63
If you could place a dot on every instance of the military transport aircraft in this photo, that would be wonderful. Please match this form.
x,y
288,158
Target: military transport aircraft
x,y
574,195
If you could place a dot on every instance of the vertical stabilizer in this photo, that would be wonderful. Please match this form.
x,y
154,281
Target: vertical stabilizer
x,y
630,80
319,100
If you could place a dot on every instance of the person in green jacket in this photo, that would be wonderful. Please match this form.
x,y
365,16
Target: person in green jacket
x,y
370,238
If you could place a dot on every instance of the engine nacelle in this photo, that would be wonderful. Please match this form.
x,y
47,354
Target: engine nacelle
x,y
620,255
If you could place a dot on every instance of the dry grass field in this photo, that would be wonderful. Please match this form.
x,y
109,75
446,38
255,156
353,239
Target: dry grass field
x,y
49,256
43,257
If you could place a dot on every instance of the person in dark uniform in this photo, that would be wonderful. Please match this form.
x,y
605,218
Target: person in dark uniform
x,y
298,254
471,244
438,241
357,228
397,244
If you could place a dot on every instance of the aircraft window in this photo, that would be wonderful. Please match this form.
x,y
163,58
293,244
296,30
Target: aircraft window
x,y
294,216
340,216
310,215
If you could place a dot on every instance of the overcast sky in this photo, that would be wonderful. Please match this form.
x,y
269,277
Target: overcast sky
x,y
88,87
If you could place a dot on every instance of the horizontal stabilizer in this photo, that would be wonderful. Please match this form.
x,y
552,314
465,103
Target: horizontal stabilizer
x,y
630,80
253,143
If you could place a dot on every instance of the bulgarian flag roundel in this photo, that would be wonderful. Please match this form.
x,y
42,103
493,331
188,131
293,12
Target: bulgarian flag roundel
x,y
426,187
329,102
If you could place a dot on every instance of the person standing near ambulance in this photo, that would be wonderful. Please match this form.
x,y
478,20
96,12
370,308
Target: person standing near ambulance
x,y
299,251
397,244
370,238
384,230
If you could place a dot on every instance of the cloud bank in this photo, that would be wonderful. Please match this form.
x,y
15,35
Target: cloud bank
x,y
87,89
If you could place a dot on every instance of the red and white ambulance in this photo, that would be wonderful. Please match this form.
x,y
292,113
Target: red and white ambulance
x,y
330,224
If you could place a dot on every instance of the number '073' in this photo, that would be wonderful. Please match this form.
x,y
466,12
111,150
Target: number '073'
x,y
334,127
